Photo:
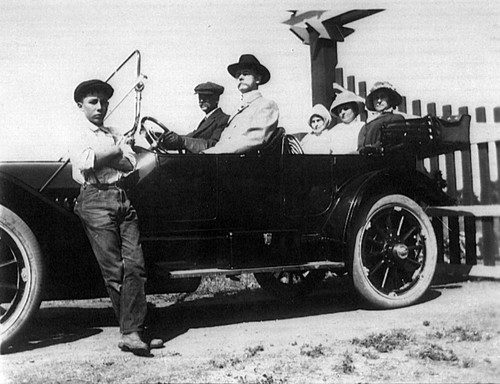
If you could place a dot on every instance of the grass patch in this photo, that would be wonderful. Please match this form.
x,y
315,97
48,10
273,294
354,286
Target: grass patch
x,y
370,355
435,352
252,351
347,363
265,379
386,341
216,284
458,333
312,351
225,362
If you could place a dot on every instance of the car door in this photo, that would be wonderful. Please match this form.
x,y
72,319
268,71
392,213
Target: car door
x,y
307,185
249,190
179,193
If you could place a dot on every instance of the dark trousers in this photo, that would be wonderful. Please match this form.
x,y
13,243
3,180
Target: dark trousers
x,y
111,224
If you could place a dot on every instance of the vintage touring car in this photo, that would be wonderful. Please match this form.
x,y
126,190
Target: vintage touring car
x,y
287,218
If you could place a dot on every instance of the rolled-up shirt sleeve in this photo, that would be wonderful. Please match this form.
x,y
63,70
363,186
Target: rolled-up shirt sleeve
x,y
82,156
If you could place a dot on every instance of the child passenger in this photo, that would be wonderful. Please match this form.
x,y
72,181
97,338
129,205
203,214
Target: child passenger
x,y
319,140
382,99
347,106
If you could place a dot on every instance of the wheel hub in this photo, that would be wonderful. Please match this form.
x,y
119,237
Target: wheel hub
x,y
400,251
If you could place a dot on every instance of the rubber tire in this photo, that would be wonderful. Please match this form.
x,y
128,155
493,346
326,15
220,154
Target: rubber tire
x,y
364,287
27,301
270,282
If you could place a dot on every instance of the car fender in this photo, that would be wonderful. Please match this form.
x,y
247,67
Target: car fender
x,y
38,211
350,197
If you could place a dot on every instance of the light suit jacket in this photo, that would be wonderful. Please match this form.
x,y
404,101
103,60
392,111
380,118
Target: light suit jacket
x,y
208,132
250,126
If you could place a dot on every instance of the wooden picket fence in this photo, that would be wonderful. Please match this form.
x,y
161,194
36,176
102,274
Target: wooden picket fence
x,y
469,234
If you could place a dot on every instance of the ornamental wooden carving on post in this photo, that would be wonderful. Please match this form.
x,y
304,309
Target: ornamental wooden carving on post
x,y
322,33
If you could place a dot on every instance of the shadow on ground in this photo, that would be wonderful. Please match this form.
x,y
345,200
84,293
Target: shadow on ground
x,y
65,322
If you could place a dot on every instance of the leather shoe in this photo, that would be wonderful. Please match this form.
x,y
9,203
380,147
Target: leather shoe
x,y
131,342
156,343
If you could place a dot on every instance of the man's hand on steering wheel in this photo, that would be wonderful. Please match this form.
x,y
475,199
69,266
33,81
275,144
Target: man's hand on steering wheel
x,y
171,140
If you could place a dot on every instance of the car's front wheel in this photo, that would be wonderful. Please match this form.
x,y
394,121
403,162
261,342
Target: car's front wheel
x,y
394,252
21,273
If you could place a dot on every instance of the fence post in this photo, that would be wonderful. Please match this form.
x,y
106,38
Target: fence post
x,y
351,84
416,107
362,89
468,199
489,247
402,106
362,93
339,76
437,222
451,182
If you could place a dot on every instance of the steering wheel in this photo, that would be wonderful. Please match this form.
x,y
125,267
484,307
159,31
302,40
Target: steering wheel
x,y
153,136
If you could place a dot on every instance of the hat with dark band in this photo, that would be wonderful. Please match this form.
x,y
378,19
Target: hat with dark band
x,y
344,98
83,89
394,97
250,62
209,88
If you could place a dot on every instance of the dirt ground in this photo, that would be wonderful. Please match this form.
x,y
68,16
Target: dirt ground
x,y
242,335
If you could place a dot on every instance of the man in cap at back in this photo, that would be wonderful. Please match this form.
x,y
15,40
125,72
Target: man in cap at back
x,y
210,128
254,122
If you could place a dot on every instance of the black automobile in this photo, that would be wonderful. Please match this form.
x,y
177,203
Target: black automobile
x,y
287,218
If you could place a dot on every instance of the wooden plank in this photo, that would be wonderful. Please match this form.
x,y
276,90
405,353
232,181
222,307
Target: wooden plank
x,y
492,210
437,222
351,84
402,106
416,107
496,114
468,198
339,76
362,93
476,271
451,182
489,247
362,89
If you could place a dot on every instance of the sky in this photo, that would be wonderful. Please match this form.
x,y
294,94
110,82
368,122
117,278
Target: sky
x,y
446,52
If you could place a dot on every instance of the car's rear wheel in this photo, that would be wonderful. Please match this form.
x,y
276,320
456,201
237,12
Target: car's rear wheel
x,y
290,285
21,275
394,252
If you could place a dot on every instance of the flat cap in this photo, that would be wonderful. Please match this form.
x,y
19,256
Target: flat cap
x,y
83,89
209,88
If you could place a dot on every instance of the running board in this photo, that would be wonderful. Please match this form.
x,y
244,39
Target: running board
x,y
281,268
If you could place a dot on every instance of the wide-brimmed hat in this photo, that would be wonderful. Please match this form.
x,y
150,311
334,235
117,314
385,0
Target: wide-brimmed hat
x,y
394,97
84,87
250,62
209,88
346,97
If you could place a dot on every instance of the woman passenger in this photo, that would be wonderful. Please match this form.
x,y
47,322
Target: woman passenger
x,y
347,106
319,140
383,100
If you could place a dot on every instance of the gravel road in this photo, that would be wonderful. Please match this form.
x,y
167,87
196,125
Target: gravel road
x,y
245,336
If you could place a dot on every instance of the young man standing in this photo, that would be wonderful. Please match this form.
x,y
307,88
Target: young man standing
x,y
101,158
254,122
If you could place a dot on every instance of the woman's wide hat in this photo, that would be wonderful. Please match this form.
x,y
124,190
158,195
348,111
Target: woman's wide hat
x,y
394,97
250,62
346,97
